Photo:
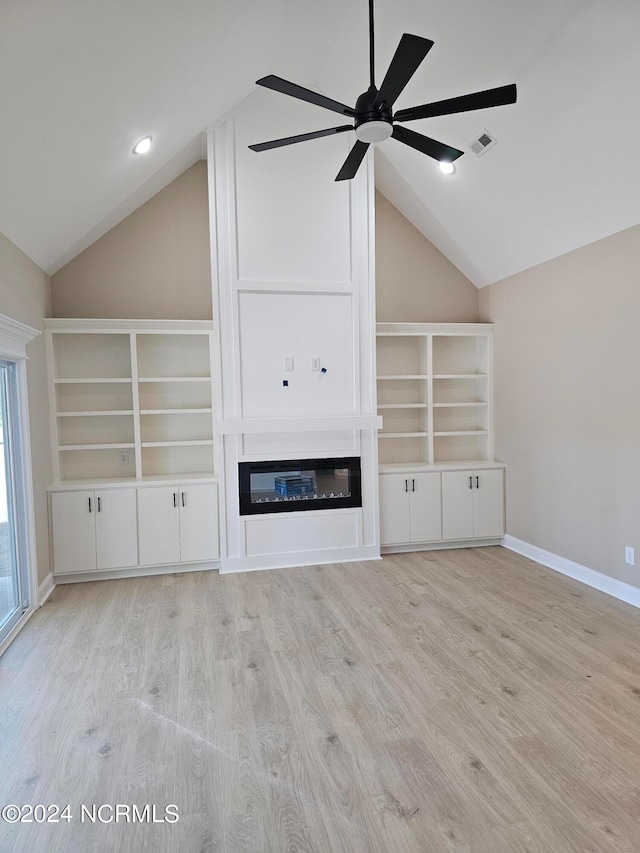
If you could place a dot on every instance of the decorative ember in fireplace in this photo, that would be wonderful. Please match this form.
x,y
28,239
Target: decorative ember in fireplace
x,y
299,484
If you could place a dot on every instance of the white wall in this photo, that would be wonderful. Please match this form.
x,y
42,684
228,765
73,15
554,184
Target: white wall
x,y
24,296
567,358
152,265
415,283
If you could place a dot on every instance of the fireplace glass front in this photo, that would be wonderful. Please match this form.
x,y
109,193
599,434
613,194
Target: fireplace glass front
x,y
299,484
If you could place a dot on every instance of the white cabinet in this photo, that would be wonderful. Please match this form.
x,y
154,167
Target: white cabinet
x,y
472,504
410,508
94,530
178,524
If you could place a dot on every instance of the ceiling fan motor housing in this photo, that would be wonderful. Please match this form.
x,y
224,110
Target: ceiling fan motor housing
x,y
372,123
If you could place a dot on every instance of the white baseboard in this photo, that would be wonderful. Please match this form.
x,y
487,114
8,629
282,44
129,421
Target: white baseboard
x,y
45,589
232,565
138,572
439,546
597,580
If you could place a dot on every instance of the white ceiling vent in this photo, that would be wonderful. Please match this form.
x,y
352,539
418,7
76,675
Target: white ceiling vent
x,y
482,143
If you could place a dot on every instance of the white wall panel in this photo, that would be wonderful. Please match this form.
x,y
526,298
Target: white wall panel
x,y
297,445
313,531
292,218
298,327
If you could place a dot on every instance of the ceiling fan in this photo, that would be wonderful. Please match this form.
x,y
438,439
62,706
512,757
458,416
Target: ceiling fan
x,y
374,119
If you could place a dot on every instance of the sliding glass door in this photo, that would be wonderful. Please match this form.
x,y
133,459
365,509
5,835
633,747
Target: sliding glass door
x,y
12,580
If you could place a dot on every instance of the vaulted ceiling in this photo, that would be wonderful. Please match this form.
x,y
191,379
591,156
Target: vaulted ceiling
x,y
82,80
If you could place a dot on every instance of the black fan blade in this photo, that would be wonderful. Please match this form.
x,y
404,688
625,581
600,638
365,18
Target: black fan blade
x,y
428,146
476,101
351,164
287,88
408,56
301,137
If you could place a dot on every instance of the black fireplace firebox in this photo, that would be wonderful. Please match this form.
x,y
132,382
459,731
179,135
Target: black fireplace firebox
x,y
293,485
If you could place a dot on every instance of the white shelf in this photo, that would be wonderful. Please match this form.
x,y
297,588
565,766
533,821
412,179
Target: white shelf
x,y
174,379
94,380
402,434
459,375
64,447
460,432
196,443
95,414
455,465
402,406
176,411
460,405
404,376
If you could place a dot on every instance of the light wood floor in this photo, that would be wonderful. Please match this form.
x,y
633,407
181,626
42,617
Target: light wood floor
x,y
443,701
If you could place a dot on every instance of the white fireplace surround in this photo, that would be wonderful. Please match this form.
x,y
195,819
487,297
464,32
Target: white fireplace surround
x,y
293,289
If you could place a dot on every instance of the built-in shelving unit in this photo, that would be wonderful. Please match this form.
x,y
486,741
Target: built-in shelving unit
x,y
434,393
130,399
439,483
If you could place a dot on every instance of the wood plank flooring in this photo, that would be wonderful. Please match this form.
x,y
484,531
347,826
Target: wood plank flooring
x,y
459,701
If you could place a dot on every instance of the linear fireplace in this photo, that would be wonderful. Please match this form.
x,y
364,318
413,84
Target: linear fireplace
x,y
294,485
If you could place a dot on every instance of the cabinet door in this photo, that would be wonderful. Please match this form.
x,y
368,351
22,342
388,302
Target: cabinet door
x,y
394,509
198,523
74,532
159,525
488,500
425,507
457,504
116,528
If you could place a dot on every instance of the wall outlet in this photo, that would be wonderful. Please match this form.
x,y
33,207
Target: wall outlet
x,y
315,364
123,457
630,555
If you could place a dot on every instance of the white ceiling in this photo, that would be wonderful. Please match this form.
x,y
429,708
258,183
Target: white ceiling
x,y
82,80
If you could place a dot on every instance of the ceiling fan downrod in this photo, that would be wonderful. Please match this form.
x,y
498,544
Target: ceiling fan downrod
x,y
372,64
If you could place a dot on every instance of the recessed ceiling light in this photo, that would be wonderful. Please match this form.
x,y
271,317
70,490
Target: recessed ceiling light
x,y
447,168
143,146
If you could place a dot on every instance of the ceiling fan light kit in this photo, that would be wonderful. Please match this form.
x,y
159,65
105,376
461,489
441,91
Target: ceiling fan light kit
x,y
374,120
